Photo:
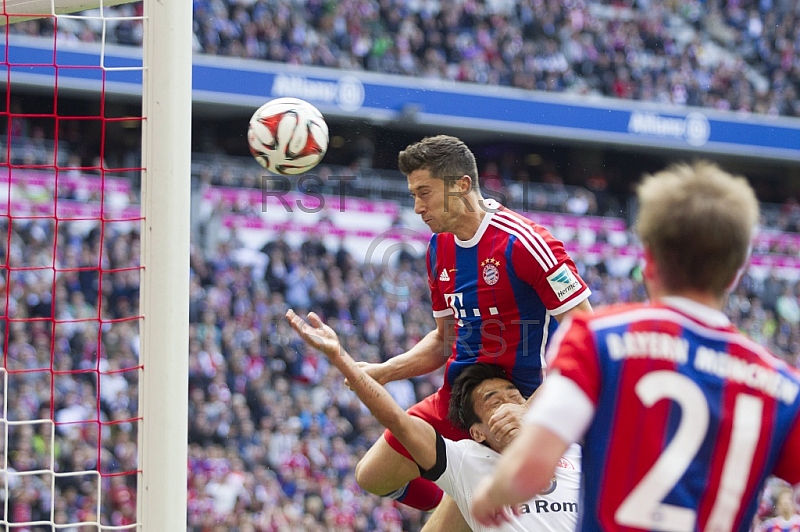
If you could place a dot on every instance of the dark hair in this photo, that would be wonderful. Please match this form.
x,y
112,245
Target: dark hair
x,y
445,157
462,410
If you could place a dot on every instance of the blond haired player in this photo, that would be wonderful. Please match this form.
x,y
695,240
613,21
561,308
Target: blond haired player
x,y
682,417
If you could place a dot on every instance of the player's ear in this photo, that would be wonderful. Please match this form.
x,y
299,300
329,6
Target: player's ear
x,y
476,433
650,270
465,184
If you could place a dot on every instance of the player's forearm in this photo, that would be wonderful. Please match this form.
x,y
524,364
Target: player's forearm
x,y
515,479
415,434
527,465
427,356
372,394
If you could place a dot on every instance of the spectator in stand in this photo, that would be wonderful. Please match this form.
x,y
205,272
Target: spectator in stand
x,y
788,307
786,518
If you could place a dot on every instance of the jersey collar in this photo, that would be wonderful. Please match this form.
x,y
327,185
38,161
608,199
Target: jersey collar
x,y
490,206
710,316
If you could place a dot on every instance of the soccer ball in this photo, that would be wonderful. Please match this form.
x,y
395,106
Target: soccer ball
x,y
288,136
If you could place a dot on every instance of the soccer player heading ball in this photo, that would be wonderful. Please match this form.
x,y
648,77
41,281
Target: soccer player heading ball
x,y
497,282
682,417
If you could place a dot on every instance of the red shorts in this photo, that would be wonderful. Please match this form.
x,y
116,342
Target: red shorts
x,y
432,409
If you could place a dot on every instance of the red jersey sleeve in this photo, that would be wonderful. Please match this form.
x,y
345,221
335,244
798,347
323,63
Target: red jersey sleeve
x,y
573,354
541,261
788,466
440,308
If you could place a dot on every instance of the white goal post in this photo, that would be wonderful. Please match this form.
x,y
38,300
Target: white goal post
x,y
163,318
166,194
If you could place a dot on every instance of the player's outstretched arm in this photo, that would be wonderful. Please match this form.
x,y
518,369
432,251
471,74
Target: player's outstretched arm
x,y
415,434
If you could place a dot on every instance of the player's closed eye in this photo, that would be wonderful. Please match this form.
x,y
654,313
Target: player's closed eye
x,y
494,403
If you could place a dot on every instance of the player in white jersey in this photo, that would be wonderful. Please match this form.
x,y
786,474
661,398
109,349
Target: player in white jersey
x,y
481,395
553,510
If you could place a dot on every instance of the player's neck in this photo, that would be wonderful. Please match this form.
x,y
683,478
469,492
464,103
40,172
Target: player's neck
x,y
470,221
704,298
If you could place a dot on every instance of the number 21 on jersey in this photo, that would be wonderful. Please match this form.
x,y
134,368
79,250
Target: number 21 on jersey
x,y
644,506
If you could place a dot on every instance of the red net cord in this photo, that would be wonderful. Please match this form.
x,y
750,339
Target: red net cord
x,y
70,265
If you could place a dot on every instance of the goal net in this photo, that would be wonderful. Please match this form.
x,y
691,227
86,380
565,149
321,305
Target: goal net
x,y
94,192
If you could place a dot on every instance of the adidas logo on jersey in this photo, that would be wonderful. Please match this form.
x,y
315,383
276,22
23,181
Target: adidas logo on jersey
x,y
443,277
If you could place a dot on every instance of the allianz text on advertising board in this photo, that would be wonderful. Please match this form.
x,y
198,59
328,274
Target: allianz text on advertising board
x,y
347,92
694,128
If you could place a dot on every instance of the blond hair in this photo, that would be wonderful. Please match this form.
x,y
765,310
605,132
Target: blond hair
x,y
697,221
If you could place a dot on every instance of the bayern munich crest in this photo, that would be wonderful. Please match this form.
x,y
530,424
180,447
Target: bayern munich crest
x,y
491,272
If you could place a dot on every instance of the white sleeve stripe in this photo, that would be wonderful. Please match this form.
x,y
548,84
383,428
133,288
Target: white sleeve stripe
x,y
522,232
525,243
543,347
530,231
562,407
558,336
442,313
572,303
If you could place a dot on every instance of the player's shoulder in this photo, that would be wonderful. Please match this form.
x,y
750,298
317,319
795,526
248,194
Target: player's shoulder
x,y
615,313
622,313
471,450
440,240
617,309
528,239
509,220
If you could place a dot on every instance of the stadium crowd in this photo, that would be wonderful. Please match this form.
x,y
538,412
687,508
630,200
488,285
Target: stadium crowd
x,y
728,55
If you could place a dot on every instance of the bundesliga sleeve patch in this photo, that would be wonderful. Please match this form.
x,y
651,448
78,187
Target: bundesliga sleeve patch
x,y
563,282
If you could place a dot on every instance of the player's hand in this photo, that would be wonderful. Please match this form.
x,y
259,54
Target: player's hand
x,y
376,371
315,333
486,511
506,421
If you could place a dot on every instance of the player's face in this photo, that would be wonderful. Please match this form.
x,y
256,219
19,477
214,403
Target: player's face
x,y
487,397
440,205
785,504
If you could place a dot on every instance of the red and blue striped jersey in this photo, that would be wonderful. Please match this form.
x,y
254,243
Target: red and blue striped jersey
x,y
502,288
690,417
